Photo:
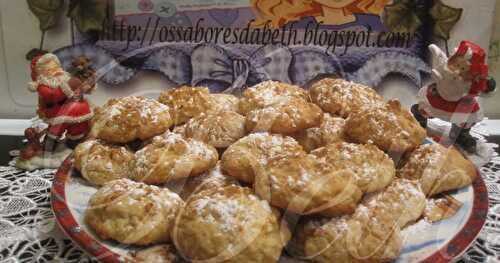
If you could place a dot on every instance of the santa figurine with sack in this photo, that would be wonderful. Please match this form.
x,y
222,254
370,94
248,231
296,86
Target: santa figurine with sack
x,y
61,105
452,97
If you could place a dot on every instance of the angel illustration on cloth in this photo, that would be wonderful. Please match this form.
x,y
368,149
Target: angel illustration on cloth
x,y
329,13
452,97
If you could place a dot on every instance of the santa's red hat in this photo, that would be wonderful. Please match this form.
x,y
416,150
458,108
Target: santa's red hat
x,y
34,61
478,68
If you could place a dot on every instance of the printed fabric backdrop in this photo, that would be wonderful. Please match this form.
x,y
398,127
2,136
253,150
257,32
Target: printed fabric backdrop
x,y
229,45
135,43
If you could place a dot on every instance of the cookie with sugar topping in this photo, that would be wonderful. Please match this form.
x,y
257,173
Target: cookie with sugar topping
x,y
170,156
438,169
226,102
373,170
324,240
331,130
187,102
229,225
361,238
372,233
212,179
303,228
402,202
100,163
219,129
133,213
269,93
286,117
241,158
157,254
340,97
301,185
389,126
131,118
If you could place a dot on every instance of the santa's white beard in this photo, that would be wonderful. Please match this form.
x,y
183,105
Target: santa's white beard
x,y
451,87
59,81
54,81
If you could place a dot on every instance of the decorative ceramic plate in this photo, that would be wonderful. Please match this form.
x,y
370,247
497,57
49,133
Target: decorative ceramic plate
x,y
424,242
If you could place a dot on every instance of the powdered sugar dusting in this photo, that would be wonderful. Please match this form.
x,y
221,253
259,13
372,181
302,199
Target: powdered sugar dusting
x,y
414,231
229,214
133,192
270,92
146,108
338,96
271,146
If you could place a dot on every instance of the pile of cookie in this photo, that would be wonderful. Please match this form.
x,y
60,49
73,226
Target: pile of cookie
x,y
328,174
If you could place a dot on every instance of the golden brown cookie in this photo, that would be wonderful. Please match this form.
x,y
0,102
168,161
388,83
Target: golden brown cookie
x,y
390,127
219,129
156,254
240,159
373,237
131,118
373,233
226,102
402,201
213,179
340,97
354,241
100,163
438,169
437,209
229,225
301,185
331,130
170,156
187,102
269,93
372,169
286,117
133,213
303,229
326,242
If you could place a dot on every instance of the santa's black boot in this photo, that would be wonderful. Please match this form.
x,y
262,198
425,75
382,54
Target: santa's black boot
x,y
418,116
463,138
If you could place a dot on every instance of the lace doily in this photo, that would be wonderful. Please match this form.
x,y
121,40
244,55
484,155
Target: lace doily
x,y
29,232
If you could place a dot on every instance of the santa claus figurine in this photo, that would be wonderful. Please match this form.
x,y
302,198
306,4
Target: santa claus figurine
x,y
61,106
452,97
